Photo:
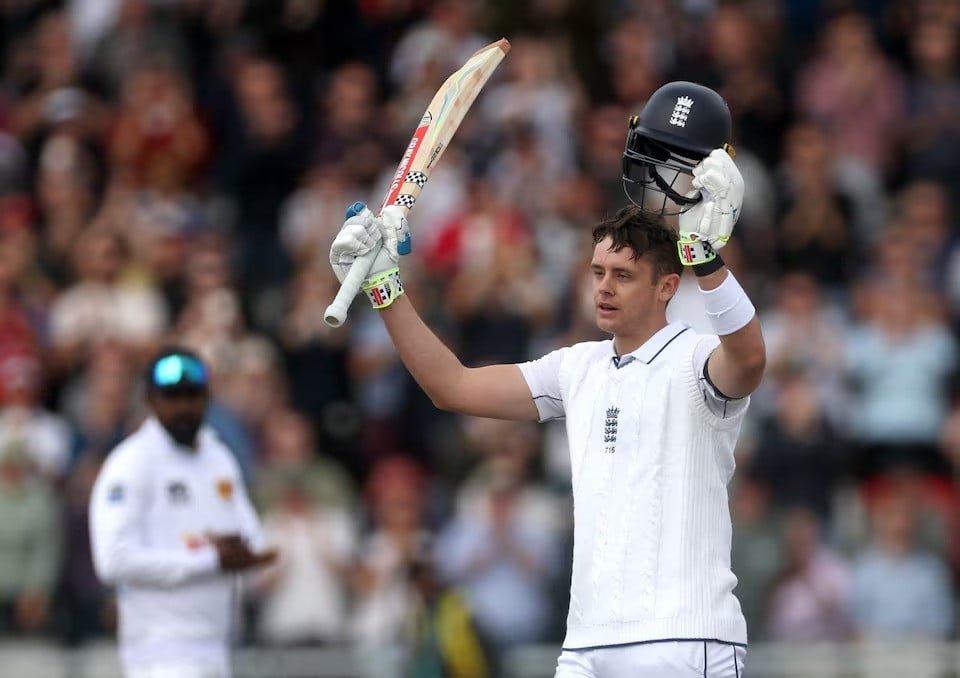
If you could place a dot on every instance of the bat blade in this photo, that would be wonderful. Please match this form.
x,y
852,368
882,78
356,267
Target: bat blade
x,y
437,126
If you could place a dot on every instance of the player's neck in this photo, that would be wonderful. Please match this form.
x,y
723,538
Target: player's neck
x,y
628,343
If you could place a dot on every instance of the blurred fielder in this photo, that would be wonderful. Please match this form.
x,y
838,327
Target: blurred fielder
x,y
652,415
169,520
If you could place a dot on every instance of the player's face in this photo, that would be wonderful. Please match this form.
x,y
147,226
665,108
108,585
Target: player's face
x,y
628,301
180,412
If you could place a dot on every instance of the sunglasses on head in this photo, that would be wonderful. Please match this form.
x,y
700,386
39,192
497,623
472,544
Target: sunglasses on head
x,y
179,371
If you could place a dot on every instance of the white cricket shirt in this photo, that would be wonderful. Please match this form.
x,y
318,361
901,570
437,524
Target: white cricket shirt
x,y
151,506
651,446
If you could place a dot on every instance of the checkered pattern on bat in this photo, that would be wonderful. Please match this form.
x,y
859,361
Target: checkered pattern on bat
x,y
418,178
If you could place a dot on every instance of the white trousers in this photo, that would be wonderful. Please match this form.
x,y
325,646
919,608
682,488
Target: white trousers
x,y
664,659
177,669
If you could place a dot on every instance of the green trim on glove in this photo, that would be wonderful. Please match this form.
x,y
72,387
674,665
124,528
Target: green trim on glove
x,y
693,251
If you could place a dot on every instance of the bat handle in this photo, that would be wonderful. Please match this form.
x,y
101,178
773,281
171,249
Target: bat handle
x,y
336,312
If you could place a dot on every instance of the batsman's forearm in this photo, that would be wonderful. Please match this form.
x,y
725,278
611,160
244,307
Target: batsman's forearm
x,y
737,366
434,366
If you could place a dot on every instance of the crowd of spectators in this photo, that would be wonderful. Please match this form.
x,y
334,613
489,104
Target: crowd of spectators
x,y
176,169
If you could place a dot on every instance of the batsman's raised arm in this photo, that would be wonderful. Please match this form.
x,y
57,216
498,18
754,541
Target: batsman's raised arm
x,y
736,367
494,391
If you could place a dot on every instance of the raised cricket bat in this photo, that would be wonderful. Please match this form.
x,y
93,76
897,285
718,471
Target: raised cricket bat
x,y
437,127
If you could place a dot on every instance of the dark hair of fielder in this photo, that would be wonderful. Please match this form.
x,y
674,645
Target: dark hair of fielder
x,y
646,234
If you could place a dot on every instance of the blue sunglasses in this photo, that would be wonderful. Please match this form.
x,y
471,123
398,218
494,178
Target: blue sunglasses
x,y
179,370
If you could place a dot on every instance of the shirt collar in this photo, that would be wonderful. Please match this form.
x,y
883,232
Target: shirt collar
x,y
652,347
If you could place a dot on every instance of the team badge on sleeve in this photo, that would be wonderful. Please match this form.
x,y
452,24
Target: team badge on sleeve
x,y
115,494
225,489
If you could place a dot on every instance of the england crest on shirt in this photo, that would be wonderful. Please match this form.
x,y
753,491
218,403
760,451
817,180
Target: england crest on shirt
x,y
610,430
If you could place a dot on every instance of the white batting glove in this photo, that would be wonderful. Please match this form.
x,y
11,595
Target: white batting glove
x,y
713,218
359,235
395,232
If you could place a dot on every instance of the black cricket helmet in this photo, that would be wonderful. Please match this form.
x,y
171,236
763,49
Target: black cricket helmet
x,y
681,123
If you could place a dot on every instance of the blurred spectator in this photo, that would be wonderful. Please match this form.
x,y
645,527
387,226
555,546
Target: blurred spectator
x,y
18,327
855,92
395,496
350,133
65,201
100,306
932,132
379,382
602,150
810,598
639,56
438,45
128,33
86,607
310,36
920,216
535,106
291,460
443,640
53,85
899,590
315,354
312,215
211,318
158,143
13,162
46,438
798,455
804,330
98,402
899,361
308,517
493,287
815,230
250,385
262,156
757,553
504,543
29,545
741,62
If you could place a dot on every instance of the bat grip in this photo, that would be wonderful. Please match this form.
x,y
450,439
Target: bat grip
x,y
336,312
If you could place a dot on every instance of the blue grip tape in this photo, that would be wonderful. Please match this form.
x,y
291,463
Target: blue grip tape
x,y
355,209
405,246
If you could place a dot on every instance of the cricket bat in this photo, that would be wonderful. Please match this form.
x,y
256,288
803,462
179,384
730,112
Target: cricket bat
x,y
432,136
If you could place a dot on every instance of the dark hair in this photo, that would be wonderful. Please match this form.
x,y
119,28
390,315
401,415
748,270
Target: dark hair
x,y
647,235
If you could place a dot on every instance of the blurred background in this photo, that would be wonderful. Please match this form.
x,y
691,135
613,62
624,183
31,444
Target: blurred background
x,y
176,170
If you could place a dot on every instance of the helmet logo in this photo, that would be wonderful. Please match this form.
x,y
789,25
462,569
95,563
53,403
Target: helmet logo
x,y
680,111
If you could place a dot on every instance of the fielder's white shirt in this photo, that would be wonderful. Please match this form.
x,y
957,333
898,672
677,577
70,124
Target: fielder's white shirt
x,y
151,506
651,446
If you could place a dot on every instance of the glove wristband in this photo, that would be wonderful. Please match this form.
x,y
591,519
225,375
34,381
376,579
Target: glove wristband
x,y
699,255
384,288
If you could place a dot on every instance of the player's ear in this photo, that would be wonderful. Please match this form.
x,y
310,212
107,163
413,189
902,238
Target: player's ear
x,y
668,286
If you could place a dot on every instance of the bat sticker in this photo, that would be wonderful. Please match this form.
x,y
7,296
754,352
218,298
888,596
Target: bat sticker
x,y
418,178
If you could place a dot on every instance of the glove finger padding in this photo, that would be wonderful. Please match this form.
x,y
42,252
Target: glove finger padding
x,y
358,236
720,185
395,231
